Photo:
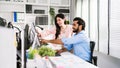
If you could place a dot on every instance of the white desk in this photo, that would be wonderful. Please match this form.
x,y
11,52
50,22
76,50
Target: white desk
x,y
66,60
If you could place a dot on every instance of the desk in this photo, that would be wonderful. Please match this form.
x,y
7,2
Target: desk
x,y
66,60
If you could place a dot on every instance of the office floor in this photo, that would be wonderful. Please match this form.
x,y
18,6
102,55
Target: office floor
x,y
105,61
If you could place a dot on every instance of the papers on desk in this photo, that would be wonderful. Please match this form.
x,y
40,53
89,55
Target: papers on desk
x,y
69,61
36,63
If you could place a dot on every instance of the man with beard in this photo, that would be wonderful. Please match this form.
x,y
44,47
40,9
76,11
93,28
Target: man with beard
x,y
79,42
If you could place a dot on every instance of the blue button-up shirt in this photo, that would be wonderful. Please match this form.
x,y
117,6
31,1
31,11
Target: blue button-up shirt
x,y
80,44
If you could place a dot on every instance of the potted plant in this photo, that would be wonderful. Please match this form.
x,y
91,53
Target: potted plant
x,y
46,51
67,22
52,14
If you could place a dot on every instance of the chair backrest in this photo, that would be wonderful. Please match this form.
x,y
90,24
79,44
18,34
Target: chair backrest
x,y
92,45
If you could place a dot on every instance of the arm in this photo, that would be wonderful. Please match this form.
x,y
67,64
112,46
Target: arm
x,y
58,41
54,41
47,32
74,39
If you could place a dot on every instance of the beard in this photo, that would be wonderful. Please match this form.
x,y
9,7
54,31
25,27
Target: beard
x,y
76,30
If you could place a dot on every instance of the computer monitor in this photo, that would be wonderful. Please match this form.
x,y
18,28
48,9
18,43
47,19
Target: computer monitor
x,y
30,39
33,37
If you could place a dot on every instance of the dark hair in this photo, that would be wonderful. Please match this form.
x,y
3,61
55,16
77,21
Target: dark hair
x,y
2,22
80,22
57,26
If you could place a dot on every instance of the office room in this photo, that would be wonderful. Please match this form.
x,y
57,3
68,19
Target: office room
x,y
59,34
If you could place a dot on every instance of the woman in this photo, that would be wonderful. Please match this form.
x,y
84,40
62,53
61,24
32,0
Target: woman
x,y
60,30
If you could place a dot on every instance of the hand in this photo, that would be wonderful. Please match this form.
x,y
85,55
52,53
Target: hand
x,y
59,51
39,35
43,41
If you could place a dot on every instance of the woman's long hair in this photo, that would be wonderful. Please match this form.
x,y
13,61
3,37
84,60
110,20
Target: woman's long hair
x,y
58,29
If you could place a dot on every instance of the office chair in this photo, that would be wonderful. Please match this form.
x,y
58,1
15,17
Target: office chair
x,y
93,59
19,43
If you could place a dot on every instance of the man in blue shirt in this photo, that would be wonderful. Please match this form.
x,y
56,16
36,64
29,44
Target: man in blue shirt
x,y
79,42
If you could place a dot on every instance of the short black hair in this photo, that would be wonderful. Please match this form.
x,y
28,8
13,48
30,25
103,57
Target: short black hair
x,y
80,22
2,22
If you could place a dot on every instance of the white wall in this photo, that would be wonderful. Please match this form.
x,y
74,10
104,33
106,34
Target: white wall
x,y
11,7
103,26
7,15
94,22
78,8
115,28
83,12
87,9
7,9
100,23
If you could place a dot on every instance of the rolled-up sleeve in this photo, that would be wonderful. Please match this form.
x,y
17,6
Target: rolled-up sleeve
x,y
64,40
72,40
67,46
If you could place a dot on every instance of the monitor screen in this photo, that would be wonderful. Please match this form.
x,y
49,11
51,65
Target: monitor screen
x,y
30,39
33,36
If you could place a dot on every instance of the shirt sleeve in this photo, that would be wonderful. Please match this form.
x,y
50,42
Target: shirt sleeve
x,y
73,40
68,47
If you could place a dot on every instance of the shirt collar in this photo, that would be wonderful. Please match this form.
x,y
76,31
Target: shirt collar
x,y
81,32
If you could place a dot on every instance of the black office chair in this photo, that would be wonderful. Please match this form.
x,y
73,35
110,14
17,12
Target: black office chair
x,y
93,59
